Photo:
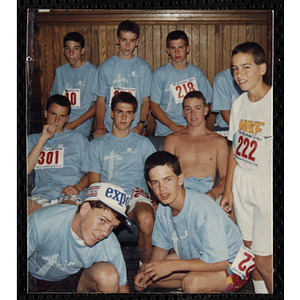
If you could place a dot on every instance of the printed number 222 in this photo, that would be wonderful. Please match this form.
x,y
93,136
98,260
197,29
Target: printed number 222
x,y
246,142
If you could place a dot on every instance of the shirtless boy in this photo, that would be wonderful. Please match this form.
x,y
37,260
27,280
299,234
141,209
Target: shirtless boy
x,y
201,152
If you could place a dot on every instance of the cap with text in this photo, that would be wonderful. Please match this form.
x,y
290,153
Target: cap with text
x,y
110,194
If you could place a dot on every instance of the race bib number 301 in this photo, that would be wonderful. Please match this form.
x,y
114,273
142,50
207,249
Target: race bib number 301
x,y
244,262
74,96
51,158
181,88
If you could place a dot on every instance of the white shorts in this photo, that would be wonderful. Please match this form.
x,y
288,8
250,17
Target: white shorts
x,y
253,206
138,195
46,202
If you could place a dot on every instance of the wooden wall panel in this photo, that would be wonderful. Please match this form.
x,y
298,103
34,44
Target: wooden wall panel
x,y
212,35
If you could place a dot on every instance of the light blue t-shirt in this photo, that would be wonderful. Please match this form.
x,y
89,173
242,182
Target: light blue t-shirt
x,y
76,85
119,160
201,230
202,184
59,164
53,253
169,86
115,75
225,91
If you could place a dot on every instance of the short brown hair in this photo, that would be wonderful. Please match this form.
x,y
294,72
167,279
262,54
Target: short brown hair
x,y
194,94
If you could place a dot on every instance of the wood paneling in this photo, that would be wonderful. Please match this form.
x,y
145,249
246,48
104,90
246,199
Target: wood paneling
x,y
212,35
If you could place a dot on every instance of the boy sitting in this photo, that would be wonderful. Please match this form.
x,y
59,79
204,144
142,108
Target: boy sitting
x,y
123,72
73,249
204,239
56,155
119,157
74,80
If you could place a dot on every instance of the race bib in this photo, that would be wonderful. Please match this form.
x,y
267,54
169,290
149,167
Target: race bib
x,y
115,90
181,88
244,263
74,96
51,158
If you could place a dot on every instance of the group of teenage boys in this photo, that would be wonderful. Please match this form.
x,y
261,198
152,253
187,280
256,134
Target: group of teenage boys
x,y
194,240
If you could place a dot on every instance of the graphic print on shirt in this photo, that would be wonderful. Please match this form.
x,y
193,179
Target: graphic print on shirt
x,y
51,261
181,88
248,140
51,158
111,157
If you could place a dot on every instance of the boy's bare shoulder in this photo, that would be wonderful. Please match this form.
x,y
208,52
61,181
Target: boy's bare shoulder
x,y
217,139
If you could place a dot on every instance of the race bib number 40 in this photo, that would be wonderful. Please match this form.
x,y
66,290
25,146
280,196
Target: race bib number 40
x,y
74,96
51,158
244,262
181,88
116,90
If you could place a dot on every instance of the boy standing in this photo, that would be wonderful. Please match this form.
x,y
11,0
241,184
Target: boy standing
x,y
172,82
204,239
225,91
56,155
249,175
119,157
123,72
74,80
201,152
73,249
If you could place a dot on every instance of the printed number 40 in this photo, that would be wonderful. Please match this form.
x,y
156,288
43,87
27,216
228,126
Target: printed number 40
x,y
246,142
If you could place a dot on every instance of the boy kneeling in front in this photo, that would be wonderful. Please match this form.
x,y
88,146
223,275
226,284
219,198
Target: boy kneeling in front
x,y
204,239
73,249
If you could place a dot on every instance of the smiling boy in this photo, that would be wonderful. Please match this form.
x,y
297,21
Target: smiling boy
x,y
204,239
123,72
172,82
74,80
56,156
119,157
201,152
249,181
73,249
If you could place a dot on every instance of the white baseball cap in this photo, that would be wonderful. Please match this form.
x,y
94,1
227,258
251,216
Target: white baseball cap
x,y
110,194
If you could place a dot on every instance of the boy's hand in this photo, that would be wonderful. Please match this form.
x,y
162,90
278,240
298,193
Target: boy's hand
x,y
177,128
48,131
226,203
138,129
99,132
140,281
159,269
70,190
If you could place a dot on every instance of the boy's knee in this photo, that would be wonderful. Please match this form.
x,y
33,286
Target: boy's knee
x,y
264,264
192,285
146,221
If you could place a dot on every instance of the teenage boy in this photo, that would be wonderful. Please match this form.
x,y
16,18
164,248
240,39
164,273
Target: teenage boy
x,y
201,152
74,80
249,176
123,72
119,157
205,241
56,156
172,82
73,249
225,91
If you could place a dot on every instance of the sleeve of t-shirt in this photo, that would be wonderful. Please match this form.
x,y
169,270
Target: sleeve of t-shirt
x,y
232,121
54,89
147,82
100,84
204,87
91,161
156,88
221,99
160,235
34,236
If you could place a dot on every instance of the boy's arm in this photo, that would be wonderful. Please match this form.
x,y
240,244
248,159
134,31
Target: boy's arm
x,y
77,188
226,115
161,116
222,162
143,115
227,199
93,177
87,115
100,113
124,288
33,156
